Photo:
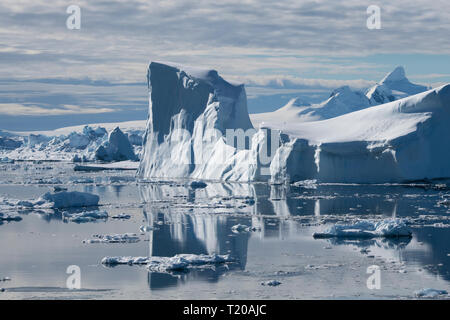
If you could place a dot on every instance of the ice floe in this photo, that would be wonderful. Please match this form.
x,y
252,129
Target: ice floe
x,y
86,216
114,238
271,283
430,293
179,262
388,228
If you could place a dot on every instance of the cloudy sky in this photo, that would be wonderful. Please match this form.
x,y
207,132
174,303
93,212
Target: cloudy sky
x,y
51,76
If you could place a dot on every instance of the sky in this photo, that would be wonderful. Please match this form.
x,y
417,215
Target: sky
x,y
52,76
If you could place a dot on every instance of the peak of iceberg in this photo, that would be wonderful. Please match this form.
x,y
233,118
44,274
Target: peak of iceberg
x,y
398,74
294,103
117,148
395,85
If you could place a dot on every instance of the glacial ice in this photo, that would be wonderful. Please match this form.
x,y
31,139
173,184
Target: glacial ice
x,y
199,128
77,144
117,148
86,216
114,238
366,229
430,293
179,262
343,100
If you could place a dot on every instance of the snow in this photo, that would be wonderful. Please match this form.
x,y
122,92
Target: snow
x,y
188,137
364,229
393,86
67,199
179,262
342,101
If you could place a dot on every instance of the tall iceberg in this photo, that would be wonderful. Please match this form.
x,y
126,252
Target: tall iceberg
x,y
198,127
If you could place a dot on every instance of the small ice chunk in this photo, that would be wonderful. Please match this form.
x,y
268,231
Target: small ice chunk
x,y
430,293
145,228
121,216
115,238
272,283
87,216
179,262
388,228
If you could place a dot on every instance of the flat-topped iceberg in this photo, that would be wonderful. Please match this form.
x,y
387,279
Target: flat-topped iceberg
x,y
179,262
199,128
366,229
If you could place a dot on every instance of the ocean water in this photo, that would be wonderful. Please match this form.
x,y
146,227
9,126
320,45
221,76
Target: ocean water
x,y
36,251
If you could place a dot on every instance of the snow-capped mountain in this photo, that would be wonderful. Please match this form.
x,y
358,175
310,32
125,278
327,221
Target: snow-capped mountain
x,y
344,100
392,87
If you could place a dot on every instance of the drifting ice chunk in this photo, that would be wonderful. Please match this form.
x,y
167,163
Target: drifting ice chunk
x,y
118,148
430,293
68,199
271,283
115,238
180,262
389,228
87,216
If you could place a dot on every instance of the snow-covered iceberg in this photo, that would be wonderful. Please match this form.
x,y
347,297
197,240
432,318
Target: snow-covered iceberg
x,y
199,128
366,229
179,262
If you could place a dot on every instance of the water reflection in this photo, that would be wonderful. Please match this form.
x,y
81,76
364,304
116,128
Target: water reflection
x,y
187,221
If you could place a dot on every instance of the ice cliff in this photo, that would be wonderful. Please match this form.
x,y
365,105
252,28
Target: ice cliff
x,y
199,127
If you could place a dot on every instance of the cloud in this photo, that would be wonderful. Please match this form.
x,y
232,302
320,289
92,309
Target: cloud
x,y
15,109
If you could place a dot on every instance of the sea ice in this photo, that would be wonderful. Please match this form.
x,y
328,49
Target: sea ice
x,y
430,293
365,229
271,283
87,216
114,238
179,262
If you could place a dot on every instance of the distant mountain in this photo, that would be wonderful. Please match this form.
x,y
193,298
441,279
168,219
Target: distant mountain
x,y
344,100
394,86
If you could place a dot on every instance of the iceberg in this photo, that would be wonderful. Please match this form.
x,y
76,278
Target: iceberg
x,y
117,148
199,128
343,100
179,262
366,229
